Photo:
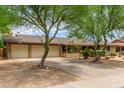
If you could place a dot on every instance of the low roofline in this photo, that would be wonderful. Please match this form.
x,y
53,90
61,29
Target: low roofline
x,y
30,39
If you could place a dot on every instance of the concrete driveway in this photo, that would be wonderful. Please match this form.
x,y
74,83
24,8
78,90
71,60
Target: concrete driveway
x,y
107,74
85,69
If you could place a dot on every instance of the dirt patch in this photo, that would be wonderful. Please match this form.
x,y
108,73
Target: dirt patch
x,y
27,74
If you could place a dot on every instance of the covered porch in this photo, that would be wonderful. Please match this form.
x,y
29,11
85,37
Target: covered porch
x,y
120,50
75,51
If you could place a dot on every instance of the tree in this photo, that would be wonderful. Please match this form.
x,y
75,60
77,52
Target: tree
x,y
114,21
97,23
47,19
8,18
122,38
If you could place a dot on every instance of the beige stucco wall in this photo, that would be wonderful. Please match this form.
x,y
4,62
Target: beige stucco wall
x,y
19,51
113,49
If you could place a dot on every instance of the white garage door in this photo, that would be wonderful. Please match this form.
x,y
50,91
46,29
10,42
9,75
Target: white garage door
x,y
19,51
38,50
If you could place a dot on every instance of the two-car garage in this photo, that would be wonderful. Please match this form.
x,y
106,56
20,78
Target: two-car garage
x,y
31,51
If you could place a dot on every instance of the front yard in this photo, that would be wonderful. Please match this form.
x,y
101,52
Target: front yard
x,y
28,74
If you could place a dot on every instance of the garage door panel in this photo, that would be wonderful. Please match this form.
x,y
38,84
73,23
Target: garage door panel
x,y
54,51
37,51
19,51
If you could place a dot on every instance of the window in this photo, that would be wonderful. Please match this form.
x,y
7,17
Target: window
x,y
70,49
117,49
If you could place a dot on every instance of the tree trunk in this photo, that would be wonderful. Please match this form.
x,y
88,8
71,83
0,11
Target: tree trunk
x,y
44,56
105,45
96,57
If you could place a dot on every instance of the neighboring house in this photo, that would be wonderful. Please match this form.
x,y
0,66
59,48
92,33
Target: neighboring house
x,y
27,46
117,46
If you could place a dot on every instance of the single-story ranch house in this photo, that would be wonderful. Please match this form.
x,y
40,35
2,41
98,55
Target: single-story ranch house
x,y
27,46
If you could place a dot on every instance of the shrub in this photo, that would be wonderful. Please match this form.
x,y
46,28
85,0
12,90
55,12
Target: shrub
x,y
113,54
108,53
86,53
92,53
101,52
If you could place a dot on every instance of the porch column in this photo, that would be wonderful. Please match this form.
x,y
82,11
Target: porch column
x,y
66,51
9,51
29,51
120,51
60,50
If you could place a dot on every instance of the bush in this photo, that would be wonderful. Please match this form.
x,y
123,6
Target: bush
x,y
108,53
86,53
90,52
113,54
99,52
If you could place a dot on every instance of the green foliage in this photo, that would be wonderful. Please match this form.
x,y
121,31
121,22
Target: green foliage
x,y
99,52
97,23
1,41
92,53
73,49
86,53
113,54
122,38
48,19
8,18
